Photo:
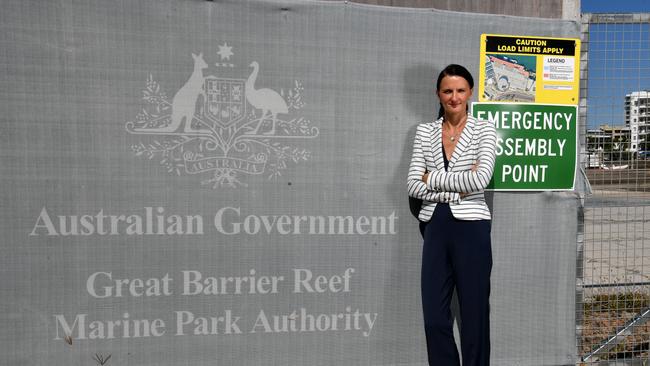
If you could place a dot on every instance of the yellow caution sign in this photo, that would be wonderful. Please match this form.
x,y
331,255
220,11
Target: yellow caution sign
x,y
529,69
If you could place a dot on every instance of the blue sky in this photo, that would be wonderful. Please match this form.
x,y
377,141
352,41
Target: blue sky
x,y
619,61
615,6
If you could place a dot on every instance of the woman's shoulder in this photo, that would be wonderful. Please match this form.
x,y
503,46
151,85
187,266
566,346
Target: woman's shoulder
x,y
428,126
482,124
476,120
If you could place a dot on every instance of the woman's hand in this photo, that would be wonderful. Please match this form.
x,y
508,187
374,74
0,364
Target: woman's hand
x,y
475,166
425,177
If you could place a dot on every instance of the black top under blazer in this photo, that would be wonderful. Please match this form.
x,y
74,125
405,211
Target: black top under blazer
x,y
476,145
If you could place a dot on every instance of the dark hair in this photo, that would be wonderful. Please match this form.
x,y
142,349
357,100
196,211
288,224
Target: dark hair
x,y
453,70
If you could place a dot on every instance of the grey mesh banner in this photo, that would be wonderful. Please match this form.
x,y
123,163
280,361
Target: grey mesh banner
x,y
224,183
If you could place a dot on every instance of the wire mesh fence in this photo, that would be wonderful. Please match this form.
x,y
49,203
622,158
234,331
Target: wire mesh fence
x,y
613,287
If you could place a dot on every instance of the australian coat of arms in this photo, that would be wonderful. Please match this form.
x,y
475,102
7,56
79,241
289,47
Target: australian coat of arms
x,y
223,128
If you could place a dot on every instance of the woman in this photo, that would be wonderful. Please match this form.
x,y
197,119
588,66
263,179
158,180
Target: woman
x,y
452,163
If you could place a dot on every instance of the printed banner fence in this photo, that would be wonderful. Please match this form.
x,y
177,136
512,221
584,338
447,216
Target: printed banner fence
x,y
201,183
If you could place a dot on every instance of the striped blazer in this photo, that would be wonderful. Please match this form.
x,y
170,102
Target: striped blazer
x,y
476,145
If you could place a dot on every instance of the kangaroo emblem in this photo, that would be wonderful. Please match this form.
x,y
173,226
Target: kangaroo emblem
x,y
184,102
222,127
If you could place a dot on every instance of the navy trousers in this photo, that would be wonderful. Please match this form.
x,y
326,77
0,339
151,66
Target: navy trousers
x,y
457,254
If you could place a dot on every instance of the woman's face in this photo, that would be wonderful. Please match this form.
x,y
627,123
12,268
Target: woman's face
x,y
454,93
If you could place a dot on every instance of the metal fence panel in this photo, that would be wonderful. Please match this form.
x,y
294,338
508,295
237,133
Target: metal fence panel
x,y
614,274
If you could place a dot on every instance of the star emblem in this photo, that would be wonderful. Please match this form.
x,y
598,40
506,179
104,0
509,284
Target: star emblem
x,y
225,51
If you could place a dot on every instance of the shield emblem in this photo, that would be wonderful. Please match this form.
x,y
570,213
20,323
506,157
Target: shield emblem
x,y
226,101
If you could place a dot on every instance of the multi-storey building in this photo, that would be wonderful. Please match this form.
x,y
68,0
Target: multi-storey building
x,y
637,117
605,143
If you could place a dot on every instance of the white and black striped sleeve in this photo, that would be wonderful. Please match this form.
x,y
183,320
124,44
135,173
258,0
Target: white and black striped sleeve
x,y
415,186
418,189
468,180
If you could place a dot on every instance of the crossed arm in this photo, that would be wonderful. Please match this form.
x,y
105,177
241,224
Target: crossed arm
x,y
417,169
442,186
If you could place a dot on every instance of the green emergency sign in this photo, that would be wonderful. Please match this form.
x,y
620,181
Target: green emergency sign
x,y
536,145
